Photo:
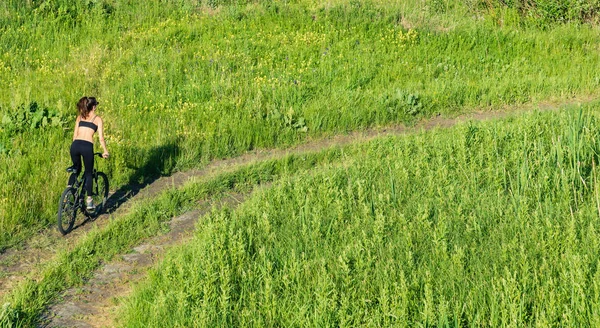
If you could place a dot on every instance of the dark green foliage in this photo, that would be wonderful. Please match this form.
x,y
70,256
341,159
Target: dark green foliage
x,y
400,104
545,12
27,119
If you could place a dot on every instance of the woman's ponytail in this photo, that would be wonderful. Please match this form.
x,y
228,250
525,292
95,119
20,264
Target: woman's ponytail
x,y
82,106
86,105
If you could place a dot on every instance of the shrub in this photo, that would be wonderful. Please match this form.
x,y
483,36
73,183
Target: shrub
x,y
546,12
27,118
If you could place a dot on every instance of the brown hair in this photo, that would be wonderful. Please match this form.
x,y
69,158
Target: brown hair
x,y
85,106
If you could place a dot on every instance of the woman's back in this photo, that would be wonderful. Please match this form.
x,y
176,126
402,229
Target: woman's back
x,y
86,127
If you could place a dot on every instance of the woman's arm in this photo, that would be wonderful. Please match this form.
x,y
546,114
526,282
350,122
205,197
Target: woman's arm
x,y
101,137
76,130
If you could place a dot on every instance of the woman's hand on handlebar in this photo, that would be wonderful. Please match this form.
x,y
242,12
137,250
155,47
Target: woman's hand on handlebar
x,y
103,155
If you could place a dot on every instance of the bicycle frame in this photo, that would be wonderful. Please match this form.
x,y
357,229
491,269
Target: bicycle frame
x,y
79,186
72,199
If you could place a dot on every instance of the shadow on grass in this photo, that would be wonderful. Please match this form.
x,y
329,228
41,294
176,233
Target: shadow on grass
x,y
158,162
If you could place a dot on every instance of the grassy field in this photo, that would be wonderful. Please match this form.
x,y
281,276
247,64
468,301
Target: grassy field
x,y
460,227
25,304
183,82
486,224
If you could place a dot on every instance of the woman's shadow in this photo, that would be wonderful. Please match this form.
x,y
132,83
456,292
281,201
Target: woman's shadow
x,y
158,161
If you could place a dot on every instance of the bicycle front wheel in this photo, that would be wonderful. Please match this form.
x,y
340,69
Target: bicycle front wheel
x,y
100,193
67,210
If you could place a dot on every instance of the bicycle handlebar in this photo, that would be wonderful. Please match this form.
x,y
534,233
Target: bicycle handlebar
x,y
98,154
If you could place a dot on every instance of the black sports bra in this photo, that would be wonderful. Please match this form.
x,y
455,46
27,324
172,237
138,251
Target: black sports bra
x,y
89,124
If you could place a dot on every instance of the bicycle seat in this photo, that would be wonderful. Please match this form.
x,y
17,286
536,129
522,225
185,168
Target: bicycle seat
x,y
71,169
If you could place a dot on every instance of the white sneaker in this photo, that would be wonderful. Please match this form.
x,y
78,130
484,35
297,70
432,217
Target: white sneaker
x,y
90,204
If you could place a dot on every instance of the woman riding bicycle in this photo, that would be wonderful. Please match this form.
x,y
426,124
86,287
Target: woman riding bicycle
x,y
86,124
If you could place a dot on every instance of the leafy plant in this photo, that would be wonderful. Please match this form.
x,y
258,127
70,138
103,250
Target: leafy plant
x,y
27,119
401,102
30,118
290,120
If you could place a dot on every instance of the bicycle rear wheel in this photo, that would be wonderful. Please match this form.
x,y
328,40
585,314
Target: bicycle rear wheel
x,y
100,194
67,210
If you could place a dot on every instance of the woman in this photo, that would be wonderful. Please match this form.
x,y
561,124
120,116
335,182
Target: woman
x,y
86,125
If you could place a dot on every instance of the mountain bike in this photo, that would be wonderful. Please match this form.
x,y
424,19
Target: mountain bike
x,y
72,200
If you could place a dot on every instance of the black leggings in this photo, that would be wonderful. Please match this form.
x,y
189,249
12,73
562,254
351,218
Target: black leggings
x,y
83,148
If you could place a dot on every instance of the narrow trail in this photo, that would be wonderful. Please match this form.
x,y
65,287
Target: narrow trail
x,y
95,304
18,264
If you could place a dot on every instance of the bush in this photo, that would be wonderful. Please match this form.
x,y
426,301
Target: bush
x,y
545,12
26,119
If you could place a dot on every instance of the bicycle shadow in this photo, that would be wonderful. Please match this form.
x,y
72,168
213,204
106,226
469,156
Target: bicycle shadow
x,y
158,162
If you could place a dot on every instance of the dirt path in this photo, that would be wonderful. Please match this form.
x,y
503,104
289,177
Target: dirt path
x,y
95,304
18,263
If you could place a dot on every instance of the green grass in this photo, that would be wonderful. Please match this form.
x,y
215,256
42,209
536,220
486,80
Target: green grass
x,y
25,304
182,83
486,224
